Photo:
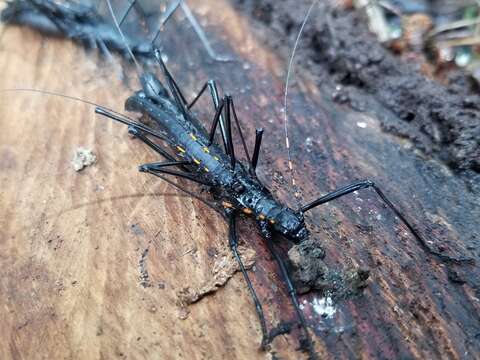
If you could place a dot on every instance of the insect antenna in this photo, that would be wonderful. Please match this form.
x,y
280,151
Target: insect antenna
x,y
287,83
101,109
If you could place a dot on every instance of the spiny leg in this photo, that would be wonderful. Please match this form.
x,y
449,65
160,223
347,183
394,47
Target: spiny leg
x,y
306,343
239,128
233,243
228,125
256,149
154,168
172,85
182,102
367,184
127,121
213,206
142,137
212,86
215,122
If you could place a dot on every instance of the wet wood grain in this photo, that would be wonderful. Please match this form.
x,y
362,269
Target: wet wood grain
x,y
75,247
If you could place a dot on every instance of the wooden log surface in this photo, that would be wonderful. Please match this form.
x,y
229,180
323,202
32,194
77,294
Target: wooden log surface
x,y
76,247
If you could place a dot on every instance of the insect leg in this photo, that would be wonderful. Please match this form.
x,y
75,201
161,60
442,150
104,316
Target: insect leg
x,y
140,135
306,342
166,15
233,243
367,184
216,119
124,120
155,168
212,86
237,123
228,125
188,192
201,34
256,149
130,6
172,85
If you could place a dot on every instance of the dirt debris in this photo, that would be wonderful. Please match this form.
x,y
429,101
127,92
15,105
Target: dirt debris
x,y
311,273
82,158
224,268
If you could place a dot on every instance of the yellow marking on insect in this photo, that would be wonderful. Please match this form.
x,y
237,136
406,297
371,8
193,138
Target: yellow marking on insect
x,y
247,211
196,161
271,221
227,205
206,169
216,158
261,217
206,150
182,150
194,138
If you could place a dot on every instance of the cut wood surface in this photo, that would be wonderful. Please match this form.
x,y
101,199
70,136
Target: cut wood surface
x,y
93,261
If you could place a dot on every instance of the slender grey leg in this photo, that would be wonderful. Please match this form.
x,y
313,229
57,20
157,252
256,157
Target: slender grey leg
x,y
233,242
367,184
306,343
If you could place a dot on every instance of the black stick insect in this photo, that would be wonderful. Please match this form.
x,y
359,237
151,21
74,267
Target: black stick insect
x,y
233,184
81,22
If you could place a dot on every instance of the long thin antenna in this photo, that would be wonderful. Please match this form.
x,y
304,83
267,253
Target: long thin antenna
x,y
117,25
287,82
68,97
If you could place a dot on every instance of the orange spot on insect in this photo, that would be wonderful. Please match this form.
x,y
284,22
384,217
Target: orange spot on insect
x,y
261,217
247,211
271,221
227,205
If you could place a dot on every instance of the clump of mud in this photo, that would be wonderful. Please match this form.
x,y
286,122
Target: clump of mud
x,y
311,273
440,120
82,158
